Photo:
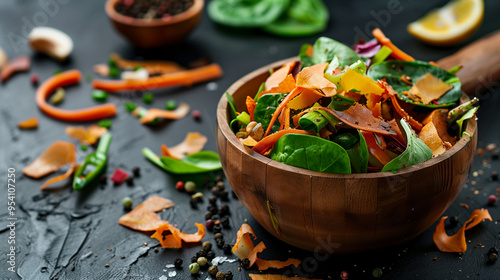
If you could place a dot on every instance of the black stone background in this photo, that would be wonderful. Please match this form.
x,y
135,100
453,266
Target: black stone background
x,y
67,234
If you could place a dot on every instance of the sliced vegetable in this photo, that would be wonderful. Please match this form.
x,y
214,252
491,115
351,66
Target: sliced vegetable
x,y
354,81
470,114
143,217
200,162
18,64
155,113
268,142
93,165
251,104
278,76
171,237
266,264
119,176
193,143
152,67
313,78
82,115
265,108
186,78
460,110
382,54
311,153
438,118
429,88
87,136
275,277
232,105
285,86
57,97
30,123
396,52
456,243
53,158
416,152
312,121
429,135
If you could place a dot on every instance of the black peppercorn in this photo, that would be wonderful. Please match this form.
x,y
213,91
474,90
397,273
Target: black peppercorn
x,y
245,263
194,203
224,195
228,276
219,243
136,171
218,178
216,229
494,176
215,191
493,250
210,255
227,249
208,215
218,236
453,221
224,222
224,210
212,200
194,259
212,209
104,179
212,270
493,257
494,155
220,185
219,275
178,263
201,253
206,246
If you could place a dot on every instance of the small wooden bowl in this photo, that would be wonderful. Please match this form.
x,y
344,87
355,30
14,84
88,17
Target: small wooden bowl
x,y
155,33
338,213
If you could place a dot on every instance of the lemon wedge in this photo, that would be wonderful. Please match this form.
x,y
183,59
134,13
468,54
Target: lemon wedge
x,y
449,25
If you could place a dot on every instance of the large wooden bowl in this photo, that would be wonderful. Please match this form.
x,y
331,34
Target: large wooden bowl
x,y
338,213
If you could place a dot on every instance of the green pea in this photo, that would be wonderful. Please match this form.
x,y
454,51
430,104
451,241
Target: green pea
x,y
171,105
194,268
127,202
130,107
105,123
99,95
148,98
189,186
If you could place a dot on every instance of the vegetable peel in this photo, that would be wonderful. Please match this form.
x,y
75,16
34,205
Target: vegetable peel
x,y
30,123
154,113
143,217
313,78
193,143
171,237
456,243
429,88
87,136
18,64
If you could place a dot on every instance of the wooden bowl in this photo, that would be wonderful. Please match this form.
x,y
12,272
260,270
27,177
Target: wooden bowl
x,y
338,213
155,33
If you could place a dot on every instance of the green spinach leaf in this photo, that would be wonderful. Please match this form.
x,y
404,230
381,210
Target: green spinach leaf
x,y
232,105
393,70
358,154
416,151
324,50
246,13
311,152
200,162
265,108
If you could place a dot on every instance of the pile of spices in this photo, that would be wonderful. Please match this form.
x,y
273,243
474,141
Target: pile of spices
x,y
152,9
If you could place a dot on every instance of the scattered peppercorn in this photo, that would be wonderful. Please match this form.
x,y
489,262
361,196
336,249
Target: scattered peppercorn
x,y
218,236
194,268
219,275
220,185
202,261
212,270
492,199
34,79
148,98
492,257
215,191
212,200
197,115
198,196
227,249
208,216
179,186
206,246
228,276
493,250
201,253
194,203
209,224
136,171
245,263
129,181
224,222
220,243
494,176
178,263
210,255
127,202
171,105
224,210
216,228
189,186
106,265
377,272
494,155
453,221
194,259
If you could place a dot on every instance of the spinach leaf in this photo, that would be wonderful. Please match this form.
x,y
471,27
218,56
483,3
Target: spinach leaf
x,y
324,50
232,105
265,108
358,154
304,17
393,70
305,59
246,13
311,152
416,152
200,162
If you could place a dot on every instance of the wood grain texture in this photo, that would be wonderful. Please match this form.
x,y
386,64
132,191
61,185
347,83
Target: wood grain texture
x,y
339,213
481,64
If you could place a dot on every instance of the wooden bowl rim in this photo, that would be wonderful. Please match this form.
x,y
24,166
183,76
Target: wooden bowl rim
x,y
116,16
231,137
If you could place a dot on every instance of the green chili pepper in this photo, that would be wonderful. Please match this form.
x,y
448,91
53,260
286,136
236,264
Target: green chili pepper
x,y
96,162
460,110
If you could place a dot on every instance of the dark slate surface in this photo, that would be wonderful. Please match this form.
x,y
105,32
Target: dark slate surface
x,y
72,235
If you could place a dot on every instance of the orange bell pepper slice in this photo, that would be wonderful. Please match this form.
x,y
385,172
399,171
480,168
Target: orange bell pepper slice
x,y
396,52
267,143
81,115
186,78
153,67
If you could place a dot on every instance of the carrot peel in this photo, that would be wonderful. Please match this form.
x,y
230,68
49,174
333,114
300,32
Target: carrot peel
x,y
30,123
396,52
143,217
268,142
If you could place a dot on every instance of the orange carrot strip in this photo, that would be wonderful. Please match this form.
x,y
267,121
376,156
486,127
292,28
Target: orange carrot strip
x,y
170,240
186,78
252,257
244,244
194,237
193,143
396,52
143,217
456,243
278,76
276,113
313,78
374,149
153,67
53,158
287,118
154,113
287,85
30,123
266,264
56,179
394,99
86,136
360,117
251,104
268,142
18,64
82,115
